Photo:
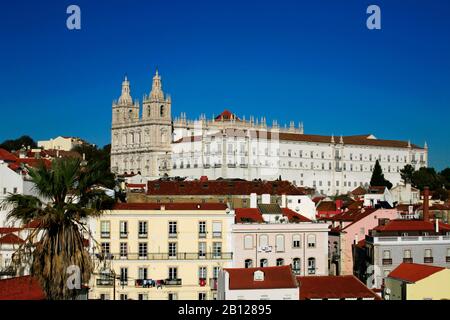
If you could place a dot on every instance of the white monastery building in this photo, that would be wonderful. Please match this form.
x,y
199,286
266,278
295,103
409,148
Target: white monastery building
x,y
151,142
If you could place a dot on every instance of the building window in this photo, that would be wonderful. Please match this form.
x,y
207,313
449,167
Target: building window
x,y
172,296
296,241
296,265
428,256
142,250
263,241
123,276
217,250
173,273
311,240
202,296
248,242
248,263
263,263
123,296
142,296
172,249
202,249
123,229
172,229
202,274
142,273
280,243
311,265
142,229
106,248
407,256
123,250
387,260
105,229
280,262
217,229
202,229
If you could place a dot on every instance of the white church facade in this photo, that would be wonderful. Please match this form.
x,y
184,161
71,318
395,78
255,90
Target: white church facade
x,y
227,146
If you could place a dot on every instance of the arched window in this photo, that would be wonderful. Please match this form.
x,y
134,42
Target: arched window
x,y
248,263
248,242
161,111
280,262
311,240
296,241
263,240
280,243
263,263
296,265
311,265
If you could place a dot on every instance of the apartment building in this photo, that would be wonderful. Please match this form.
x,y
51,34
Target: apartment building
x,y
269,236
161,251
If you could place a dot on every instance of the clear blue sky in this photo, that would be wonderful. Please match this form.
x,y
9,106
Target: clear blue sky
x,y
310,61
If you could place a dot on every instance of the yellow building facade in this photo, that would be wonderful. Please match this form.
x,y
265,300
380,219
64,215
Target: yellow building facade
x,y
160,251
433,287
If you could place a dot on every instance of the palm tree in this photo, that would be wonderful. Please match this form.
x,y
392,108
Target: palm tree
x,y
71,193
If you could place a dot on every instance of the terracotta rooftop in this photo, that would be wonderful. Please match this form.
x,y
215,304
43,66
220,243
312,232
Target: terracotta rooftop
x,y
365,140
7,156
221,187
254,215
326,206
9,229
359,191
21,288
170,206
411,225
226,115
11,238
413,272
274,278
334,287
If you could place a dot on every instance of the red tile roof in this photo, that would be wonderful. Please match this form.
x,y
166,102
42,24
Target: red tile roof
x,y
221,187
353,214
226,115
136,185
413,272
360,191
274,278
334,287
364,140
11,238
9,229
248,215
254,215
7,156
21,288
170,206
411,225
326,206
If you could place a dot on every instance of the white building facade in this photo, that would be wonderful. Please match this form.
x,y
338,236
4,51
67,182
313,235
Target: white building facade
x,y
227,146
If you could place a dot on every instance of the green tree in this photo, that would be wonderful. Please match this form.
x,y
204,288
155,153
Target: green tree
x,y
426,177
23,141
71,188
407,173
378,177
445,174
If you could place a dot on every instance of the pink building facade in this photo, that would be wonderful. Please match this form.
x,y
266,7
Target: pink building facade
x,y
345,233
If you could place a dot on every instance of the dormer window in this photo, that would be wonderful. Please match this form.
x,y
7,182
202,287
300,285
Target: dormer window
x,y
258,275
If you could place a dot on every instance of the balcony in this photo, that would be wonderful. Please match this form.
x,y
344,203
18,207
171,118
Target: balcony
x,y
243,165
428,260
105,234
407,260
206,166
202,235
213,283
409,239
311,271
217,234
387,262
172,282
123,235
143,235
105,282
231,165
296,271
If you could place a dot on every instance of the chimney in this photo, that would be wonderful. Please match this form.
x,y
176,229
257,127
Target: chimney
x,y
283,201
426,210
